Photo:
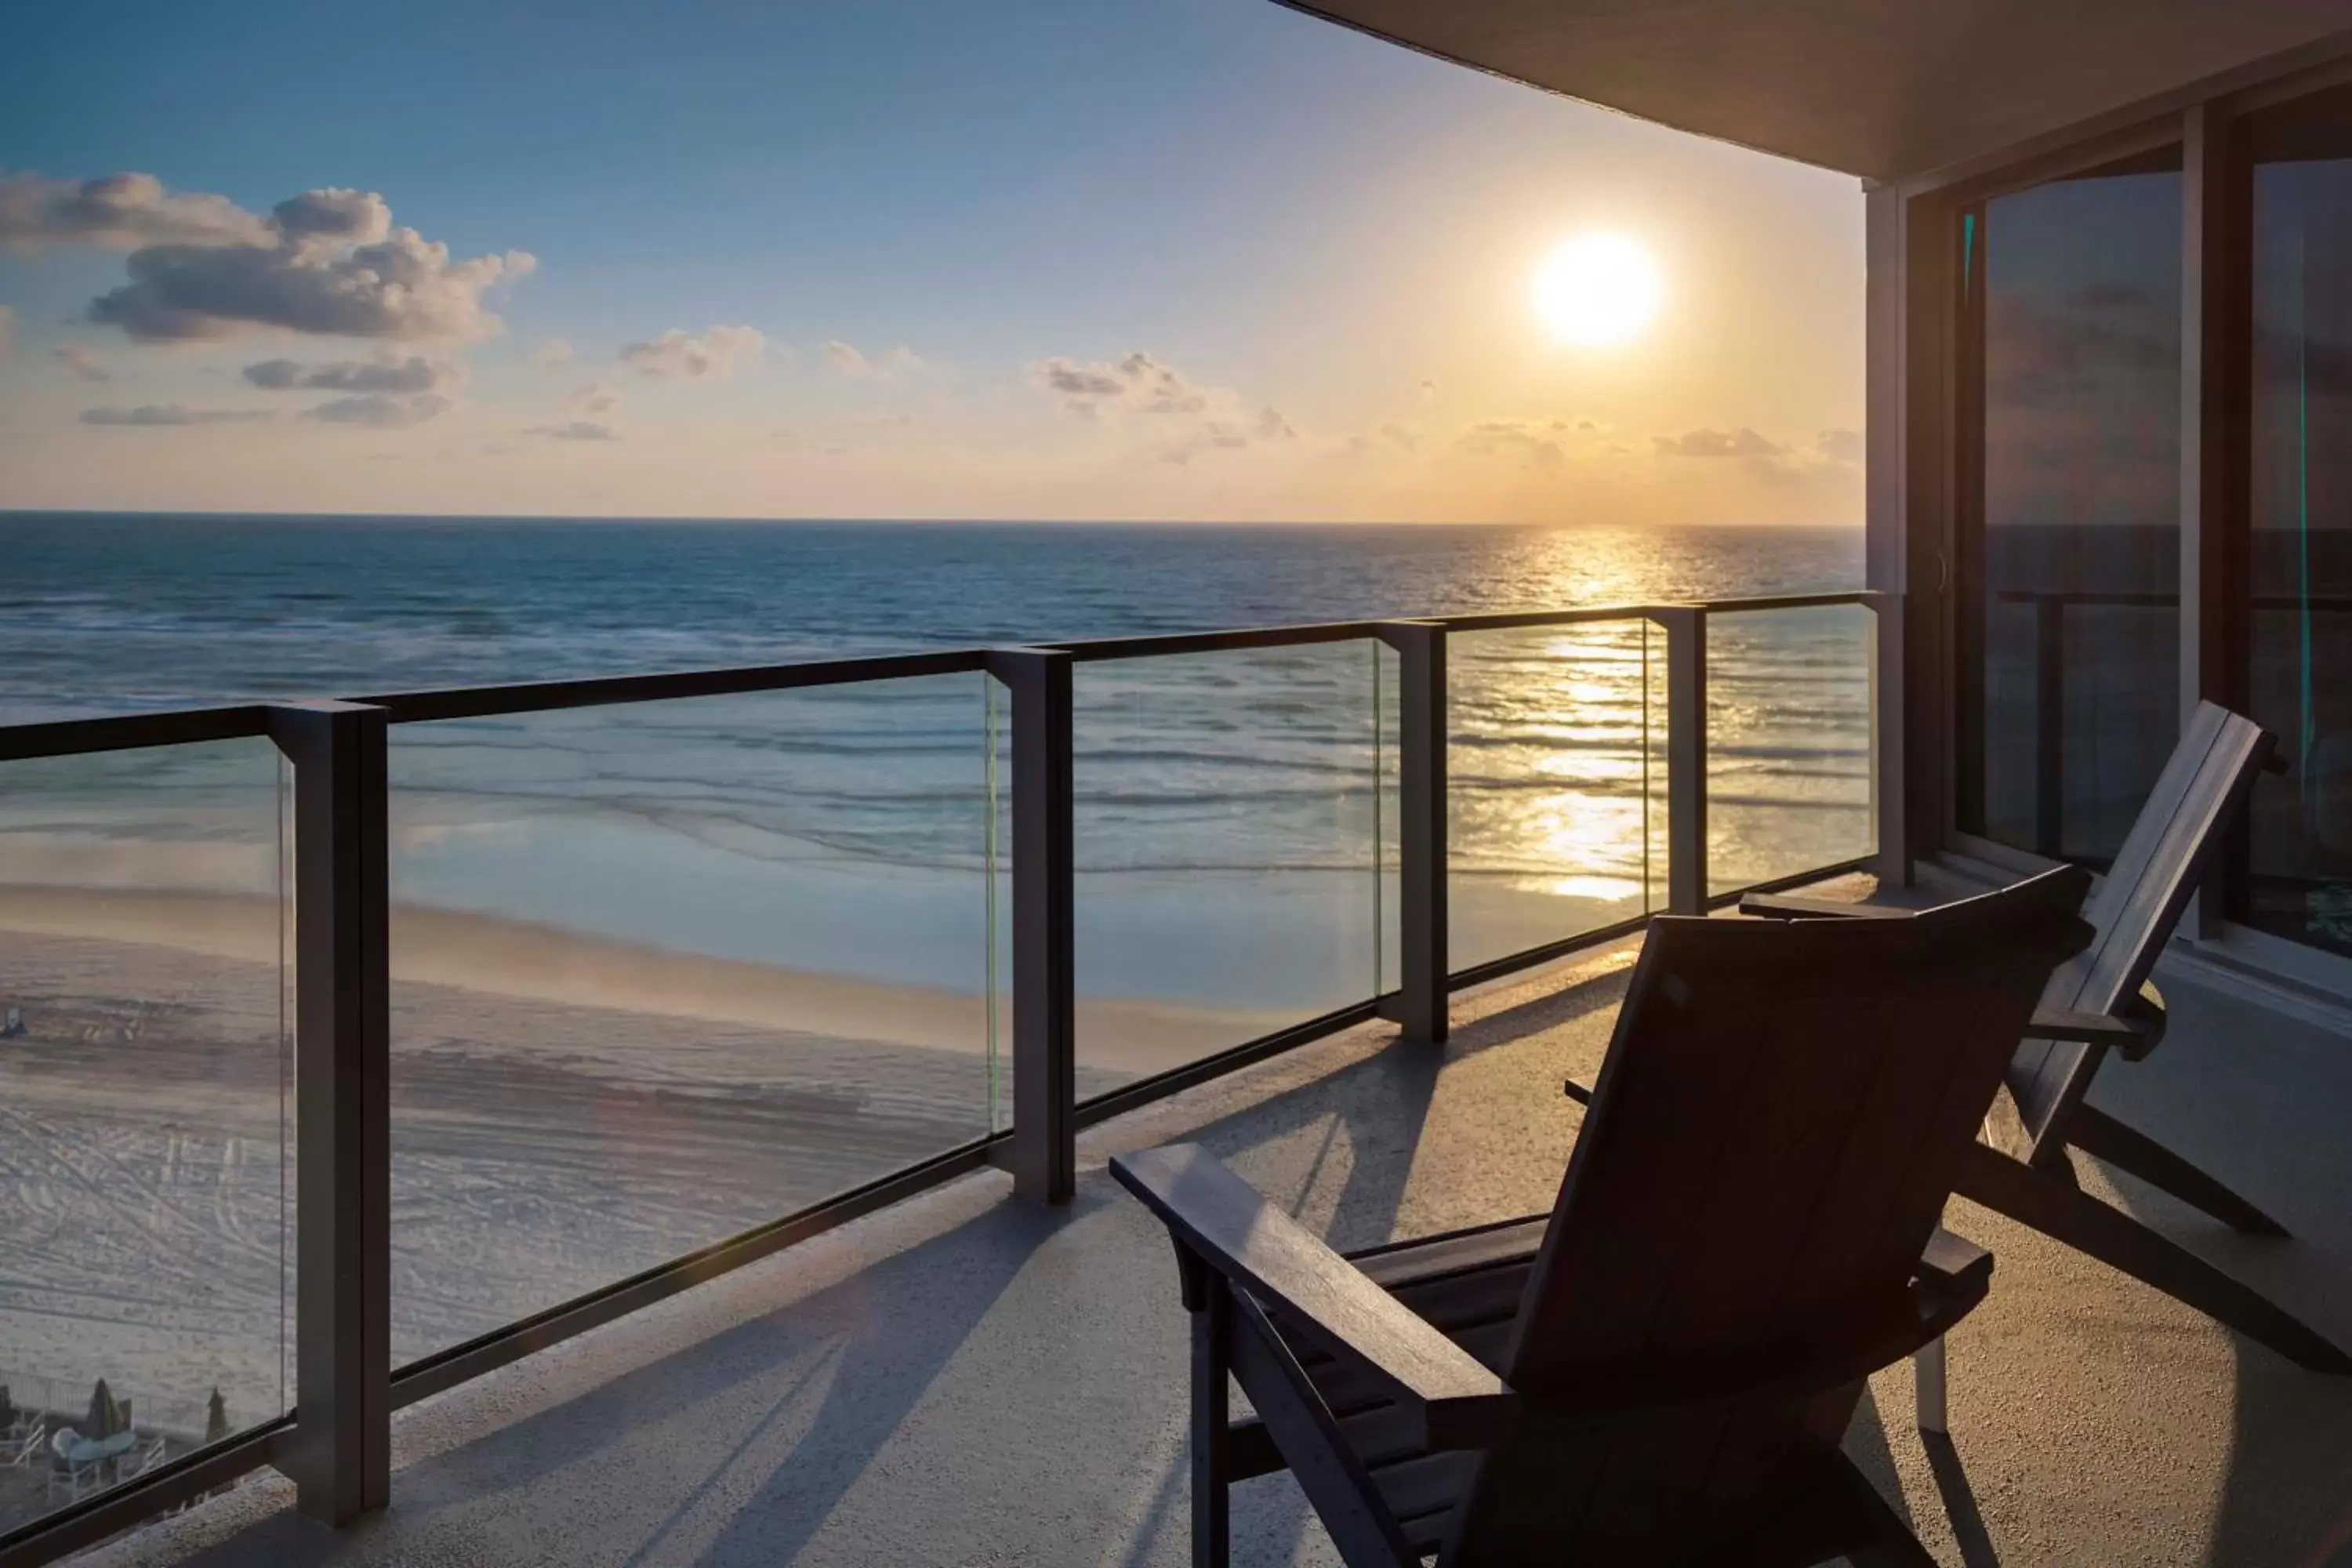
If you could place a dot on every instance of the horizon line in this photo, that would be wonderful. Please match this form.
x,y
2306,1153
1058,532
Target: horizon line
x,y
258,514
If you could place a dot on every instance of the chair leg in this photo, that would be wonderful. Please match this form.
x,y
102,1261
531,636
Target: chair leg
x,y
2102,1137
1928,1377
1212,1356
2084,1223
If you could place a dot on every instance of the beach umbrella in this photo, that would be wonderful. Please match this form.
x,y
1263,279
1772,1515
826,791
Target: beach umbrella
x,y
216,1418
103,1422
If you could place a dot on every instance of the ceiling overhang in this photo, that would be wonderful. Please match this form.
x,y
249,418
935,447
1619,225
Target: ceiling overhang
x,y
1881,88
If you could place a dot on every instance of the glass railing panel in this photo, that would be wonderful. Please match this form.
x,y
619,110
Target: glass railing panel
x,y
664,971
146,1139
1230,837
1555,793
1787,742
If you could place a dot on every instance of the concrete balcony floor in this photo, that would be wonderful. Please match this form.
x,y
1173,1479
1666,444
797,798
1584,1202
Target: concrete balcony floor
x,y
965,1379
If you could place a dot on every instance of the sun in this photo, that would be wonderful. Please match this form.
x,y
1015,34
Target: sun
x,y
1598,289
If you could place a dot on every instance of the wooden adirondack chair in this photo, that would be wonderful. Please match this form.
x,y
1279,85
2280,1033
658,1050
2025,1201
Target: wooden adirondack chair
x,y
1746,1230
2101,1001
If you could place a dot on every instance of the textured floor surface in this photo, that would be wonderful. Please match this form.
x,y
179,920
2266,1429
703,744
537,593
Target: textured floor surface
x,y
965,1379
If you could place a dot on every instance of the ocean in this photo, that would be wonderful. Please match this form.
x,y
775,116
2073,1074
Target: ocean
x,y
666,969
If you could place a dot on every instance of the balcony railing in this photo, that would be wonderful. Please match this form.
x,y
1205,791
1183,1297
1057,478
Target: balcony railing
x,y
333,1439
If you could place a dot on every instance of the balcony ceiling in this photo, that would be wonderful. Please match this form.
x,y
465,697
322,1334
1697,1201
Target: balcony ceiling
x,y
1876,87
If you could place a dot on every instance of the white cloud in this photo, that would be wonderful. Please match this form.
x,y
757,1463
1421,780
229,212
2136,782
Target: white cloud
x,y
1841,446
576,430
849,359
386,374
1395,435
1138,382
326,262
81,362
1740,443
552,354
151,414
126,211
382,412
594,398
1533,442
715,355
1182,417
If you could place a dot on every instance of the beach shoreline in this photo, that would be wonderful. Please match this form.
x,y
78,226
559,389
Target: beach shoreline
x,y
498,955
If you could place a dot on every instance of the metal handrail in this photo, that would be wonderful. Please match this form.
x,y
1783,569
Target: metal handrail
x,y
340,1456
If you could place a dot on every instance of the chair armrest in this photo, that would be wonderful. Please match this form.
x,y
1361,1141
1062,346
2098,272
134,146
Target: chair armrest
x,y
1954,1261
1794,907
1229,1227
2134,1034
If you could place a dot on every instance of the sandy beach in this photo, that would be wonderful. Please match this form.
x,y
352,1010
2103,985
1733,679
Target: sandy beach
x,y
566,1109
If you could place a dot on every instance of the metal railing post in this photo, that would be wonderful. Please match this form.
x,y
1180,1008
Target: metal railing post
x,y
1686,881
2050,724
340,1452
1045,895
1421,828
1890,815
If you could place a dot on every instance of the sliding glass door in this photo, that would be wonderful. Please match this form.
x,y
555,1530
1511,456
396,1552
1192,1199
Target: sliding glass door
x,y
2296,603
2068,534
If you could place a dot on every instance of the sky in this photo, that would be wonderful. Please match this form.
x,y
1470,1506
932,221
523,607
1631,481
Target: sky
x,y
1098,260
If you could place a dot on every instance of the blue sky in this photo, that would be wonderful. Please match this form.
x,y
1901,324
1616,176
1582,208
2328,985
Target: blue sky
x,y
1292,217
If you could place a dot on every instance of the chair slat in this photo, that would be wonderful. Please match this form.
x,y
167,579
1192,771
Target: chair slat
x,y
2163,857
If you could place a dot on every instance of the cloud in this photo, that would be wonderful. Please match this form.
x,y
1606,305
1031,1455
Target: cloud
x,y
552,354
327,262
849,359
1841,446
1174,417
7,330
595,398
576,430
81,362
716,355
151,413
1138,381
380,412
410,375
1428,387
126,211
1740,443
1078,383
1534,442
1212,435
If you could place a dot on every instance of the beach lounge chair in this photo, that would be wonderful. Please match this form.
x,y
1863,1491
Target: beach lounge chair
x,y
2102,1002
1747,1230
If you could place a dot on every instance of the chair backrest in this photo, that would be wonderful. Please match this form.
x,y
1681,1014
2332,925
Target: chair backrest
x,y
1781,1114
2163,857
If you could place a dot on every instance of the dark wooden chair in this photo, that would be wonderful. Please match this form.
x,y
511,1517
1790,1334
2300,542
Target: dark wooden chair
x,y
2102,1002
1747,1230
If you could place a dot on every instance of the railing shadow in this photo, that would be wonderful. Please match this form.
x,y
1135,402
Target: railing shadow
x,y
811,1391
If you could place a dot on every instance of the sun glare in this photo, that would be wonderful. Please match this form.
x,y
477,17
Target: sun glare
x,y
1598,289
